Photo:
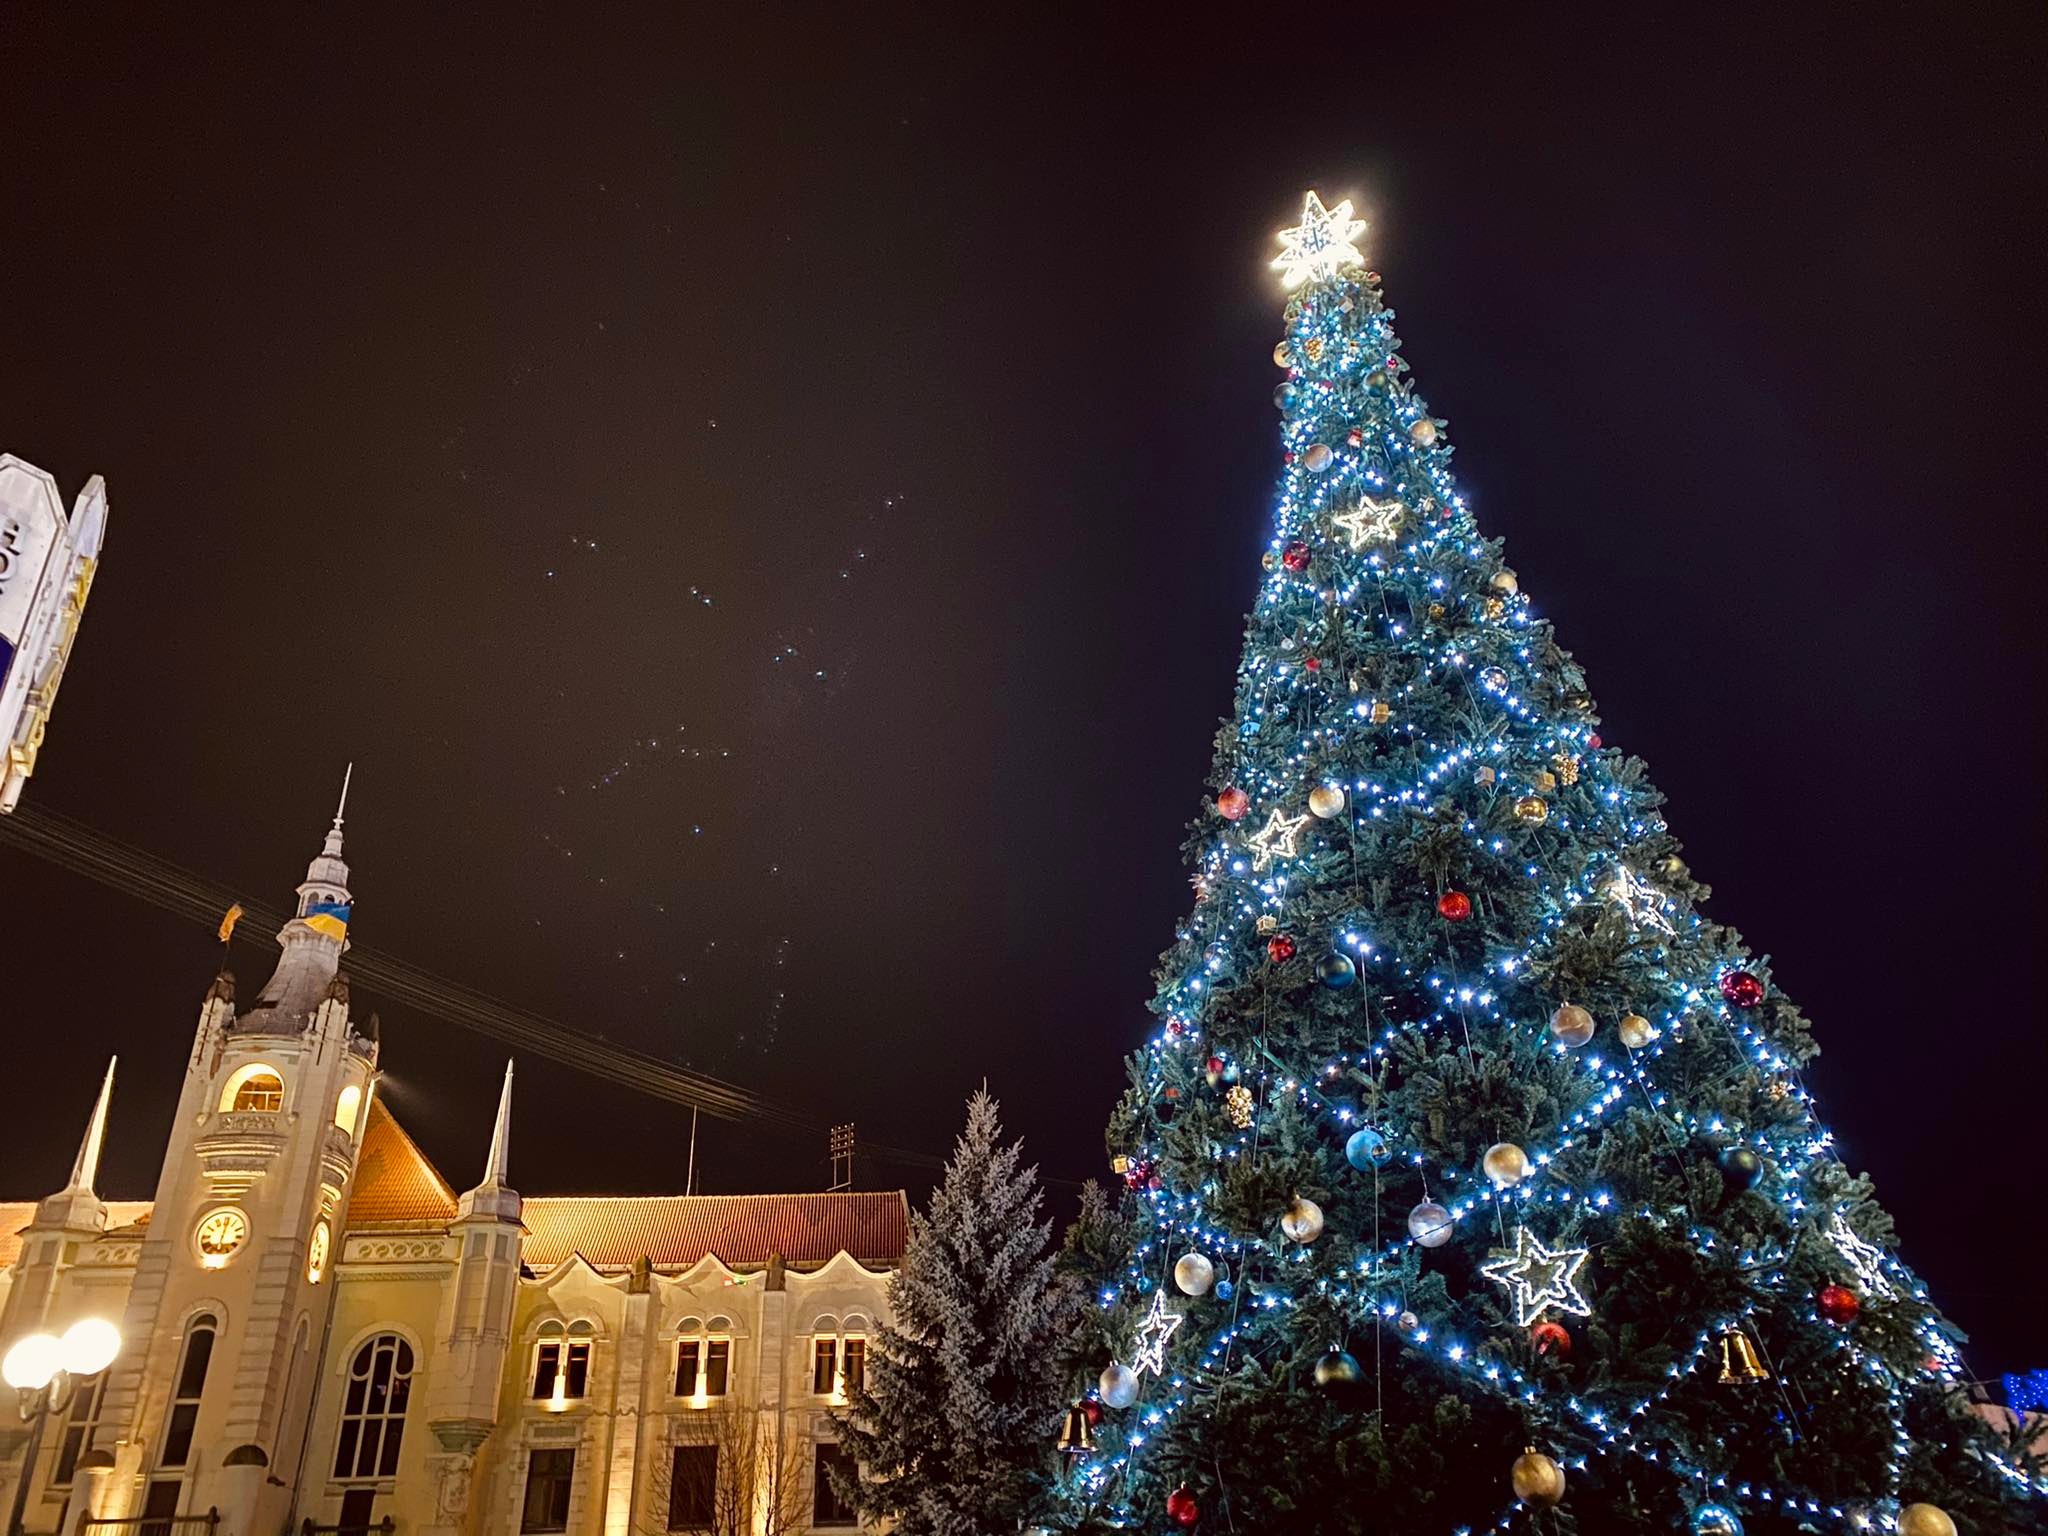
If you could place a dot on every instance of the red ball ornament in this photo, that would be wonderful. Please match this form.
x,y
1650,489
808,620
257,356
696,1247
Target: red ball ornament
x,y
1295,556
1741,989
1550,1338
1454,906
1593,742
1838,1304
1092,1411
1233,803
1280,949
1313,663
1355,438
1182,1509
1213,1067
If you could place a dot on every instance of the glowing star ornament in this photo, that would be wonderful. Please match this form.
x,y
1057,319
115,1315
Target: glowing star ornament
x,y
1539,1278
1159,1326
1642,902
1323,244
1276,839
1866,1258
1375,520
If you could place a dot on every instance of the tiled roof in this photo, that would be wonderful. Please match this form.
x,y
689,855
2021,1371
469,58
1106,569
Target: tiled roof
x,y
394,1181
675,1231
16,1214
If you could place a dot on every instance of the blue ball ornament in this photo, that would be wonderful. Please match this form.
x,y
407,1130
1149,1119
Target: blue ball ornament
x,y
1367,1148
1715,1520
1224,1290
1336,971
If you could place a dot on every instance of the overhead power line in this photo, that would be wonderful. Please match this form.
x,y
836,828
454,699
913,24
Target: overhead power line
x,y
72,845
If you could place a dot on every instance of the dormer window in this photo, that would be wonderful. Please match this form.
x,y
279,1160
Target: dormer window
x,y
261,1092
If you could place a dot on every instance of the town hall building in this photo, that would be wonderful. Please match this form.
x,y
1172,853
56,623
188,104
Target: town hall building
x,y
320,1333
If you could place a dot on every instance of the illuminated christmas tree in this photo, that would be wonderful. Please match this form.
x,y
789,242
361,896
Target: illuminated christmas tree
x,y
1473,1183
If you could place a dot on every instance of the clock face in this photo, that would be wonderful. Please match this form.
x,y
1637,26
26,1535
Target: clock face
x,y
220,1234
316,1254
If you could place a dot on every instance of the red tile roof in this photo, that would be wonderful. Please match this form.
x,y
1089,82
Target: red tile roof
x,y
16,1214
675,1231
395,1184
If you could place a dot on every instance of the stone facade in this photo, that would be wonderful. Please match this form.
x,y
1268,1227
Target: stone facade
x,y
319,1330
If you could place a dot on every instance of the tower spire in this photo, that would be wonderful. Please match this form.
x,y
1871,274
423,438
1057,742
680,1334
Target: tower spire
x,y
333,847
87,1168
498,1166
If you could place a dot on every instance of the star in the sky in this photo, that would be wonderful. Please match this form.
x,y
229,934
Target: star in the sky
x,y
1276,839
1321,245
1375,520
1642,901
1538,1278
1159,1326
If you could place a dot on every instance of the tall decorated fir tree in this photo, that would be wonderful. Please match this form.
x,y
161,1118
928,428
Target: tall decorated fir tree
x,y
1475,1184
952,1428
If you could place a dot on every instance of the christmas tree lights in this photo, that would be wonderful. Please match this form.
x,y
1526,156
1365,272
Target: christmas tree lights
x,y
1446,1031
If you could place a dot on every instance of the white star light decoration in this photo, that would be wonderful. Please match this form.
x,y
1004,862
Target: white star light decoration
x,y
1321,245
1539,1278
1866,1258
1276,839
1159,1326
1643,902
1375,520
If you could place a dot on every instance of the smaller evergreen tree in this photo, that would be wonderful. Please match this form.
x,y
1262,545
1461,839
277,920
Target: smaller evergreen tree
x,y
954,1429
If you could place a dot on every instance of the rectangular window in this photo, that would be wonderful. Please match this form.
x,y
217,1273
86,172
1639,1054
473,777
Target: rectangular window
x,y
549,1476
158,1505
824,1364
692,1487
356,1507
688,1352
578,1382
183,1418
856,1364
79,1425
827,1508
717,1366
545,1364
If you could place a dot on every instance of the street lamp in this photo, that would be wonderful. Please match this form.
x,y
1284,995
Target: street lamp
x,y
43,1368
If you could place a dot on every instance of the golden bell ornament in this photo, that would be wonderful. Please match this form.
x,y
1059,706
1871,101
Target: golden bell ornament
x,y
1635,1031
1572,1025
1077,1442
1533,809
1739,1364
1538,1481
1505,1164
1326,800
1925,1520
1302,1221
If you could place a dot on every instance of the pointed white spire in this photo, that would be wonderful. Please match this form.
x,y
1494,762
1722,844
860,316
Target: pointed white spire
x,y
87,1168
498,1166
333,848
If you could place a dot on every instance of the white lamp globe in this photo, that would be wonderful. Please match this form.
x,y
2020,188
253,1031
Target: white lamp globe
x,y
32,1361
89,1346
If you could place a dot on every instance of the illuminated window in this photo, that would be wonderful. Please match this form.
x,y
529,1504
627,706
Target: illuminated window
x,y
704,1358
839,1356
183,1418
80,1423
255,1087
347,1107
373,1411
561,1362
824,1365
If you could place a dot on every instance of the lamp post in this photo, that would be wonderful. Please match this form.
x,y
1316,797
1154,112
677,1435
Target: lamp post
x,y
44,1368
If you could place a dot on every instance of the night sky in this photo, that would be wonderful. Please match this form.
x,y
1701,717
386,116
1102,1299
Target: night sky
x,y
767,501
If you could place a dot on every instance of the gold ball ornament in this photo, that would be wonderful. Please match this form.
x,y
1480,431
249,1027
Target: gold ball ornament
x,y
1317,458
1532,809
1423,432
1925,1520
1572,1025
1506,1164
1270,560
1377,379
1302,1221
1504,581
1326,800
1635,1031
1436,610
1538,1481
1238,1105
1283,356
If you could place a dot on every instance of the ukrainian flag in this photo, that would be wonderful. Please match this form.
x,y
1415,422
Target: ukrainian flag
x,y
328,917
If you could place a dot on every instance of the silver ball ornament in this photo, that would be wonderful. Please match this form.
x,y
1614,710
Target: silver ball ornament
x,y
1194,1274
1423,432
1302,1221
1318,457
1326,801
1430,1224
1118,1385
1715,1520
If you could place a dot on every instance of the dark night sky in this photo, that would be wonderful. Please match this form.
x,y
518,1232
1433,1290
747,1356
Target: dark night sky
x,y
440,372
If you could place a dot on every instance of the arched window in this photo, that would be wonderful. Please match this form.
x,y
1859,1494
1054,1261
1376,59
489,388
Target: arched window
x,y
254,1087
191,1386
561,1363
373,1410
347,1107
703,1358
839,1356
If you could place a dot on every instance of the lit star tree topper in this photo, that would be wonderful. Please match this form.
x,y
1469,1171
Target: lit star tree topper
x,y
1159,1325
1539,1278
1375,520
1276,839
1323,244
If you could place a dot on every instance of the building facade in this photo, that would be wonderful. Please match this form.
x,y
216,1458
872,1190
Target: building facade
x,y
319,1331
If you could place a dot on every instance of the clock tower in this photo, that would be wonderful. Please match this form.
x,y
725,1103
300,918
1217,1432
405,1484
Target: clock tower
x,y
229,1306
